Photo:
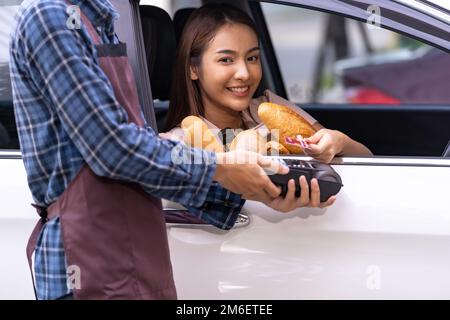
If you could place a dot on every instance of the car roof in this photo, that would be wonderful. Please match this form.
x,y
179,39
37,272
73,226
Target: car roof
x,y
435,8
429,22
440,3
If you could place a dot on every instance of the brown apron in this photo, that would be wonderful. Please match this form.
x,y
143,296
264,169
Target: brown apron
x,y
113,232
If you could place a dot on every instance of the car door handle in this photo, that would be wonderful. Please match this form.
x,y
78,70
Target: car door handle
x,y
182,218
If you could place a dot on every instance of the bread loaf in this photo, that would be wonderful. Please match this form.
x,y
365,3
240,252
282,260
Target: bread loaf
x,y
249,140
275,148
288,123
198,135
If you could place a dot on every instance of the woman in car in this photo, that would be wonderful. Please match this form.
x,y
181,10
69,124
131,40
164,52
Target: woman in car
x,y
217,72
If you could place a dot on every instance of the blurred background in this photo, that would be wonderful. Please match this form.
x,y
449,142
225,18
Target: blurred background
x,y
332,59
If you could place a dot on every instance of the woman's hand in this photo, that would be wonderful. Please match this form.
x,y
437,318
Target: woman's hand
x,y
290,202
325,144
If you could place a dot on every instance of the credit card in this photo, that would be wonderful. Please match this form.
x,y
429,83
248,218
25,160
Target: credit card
x,y
297,141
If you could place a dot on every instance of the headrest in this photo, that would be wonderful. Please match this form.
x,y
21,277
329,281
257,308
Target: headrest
x,y
160,47
179,20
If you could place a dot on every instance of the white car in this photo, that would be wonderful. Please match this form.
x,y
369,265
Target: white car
x,y
388,234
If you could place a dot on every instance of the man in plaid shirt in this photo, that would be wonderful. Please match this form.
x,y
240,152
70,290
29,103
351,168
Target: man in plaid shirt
x,y
67,117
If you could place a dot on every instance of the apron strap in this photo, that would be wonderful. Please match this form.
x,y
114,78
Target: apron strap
x,y
45,214
30,249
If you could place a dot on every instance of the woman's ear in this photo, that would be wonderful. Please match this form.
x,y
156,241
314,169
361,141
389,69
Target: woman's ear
x,y
194,75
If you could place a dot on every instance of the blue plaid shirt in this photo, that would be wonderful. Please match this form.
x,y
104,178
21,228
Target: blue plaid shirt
x,y
67,116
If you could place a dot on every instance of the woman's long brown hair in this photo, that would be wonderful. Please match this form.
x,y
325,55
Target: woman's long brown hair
x,y
200,30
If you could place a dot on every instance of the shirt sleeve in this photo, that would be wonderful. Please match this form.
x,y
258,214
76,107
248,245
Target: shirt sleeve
x,y
62,64
220,209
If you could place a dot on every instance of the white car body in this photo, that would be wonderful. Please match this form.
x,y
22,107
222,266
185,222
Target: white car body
x,y
386,237
17,219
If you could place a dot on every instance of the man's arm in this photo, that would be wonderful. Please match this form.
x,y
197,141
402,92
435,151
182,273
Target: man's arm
x,y
220,209
61,64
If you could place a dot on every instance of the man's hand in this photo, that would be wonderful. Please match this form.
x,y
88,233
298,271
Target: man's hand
x,y
242,172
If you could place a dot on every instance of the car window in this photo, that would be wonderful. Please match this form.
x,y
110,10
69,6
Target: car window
x,y
327,58
8,132
161,84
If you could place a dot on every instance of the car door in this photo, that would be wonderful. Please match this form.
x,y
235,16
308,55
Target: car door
x,y
386,236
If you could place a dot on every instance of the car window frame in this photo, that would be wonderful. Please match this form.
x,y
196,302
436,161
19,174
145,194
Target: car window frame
x,y
129,29
320,108
357,10
429,8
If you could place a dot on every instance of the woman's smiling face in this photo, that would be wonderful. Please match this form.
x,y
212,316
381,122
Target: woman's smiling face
x,y
230,70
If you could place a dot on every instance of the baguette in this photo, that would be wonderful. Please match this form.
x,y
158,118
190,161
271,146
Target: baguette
x,y
288,123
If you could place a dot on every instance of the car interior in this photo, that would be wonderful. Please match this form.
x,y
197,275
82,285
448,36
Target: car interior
x,y
160,39
388,130
402,130
8,131
161,35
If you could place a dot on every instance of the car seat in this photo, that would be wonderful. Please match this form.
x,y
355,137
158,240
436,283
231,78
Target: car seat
x,y
179,20
160,49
